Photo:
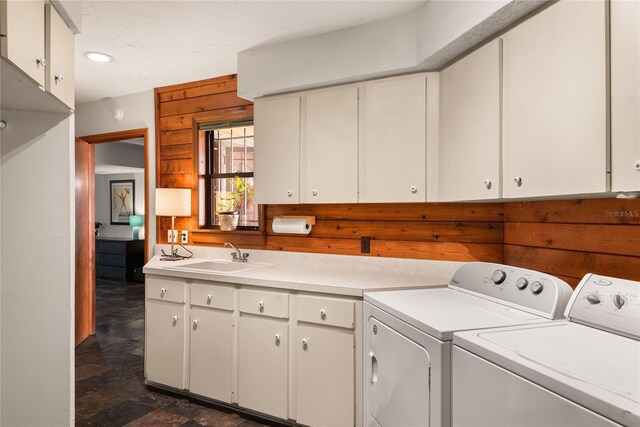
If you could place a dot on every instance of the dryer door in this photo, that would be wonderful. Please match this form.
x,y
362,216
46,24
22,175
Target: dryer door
x,y
398,378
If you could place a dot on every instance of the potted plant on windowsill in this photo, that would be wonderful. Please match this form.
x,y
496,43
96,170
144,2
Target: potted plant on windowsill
x,y
228,203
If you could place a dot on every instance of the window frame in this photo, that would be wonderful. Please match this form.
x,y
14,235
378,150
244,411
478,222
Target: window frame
x,y
203,235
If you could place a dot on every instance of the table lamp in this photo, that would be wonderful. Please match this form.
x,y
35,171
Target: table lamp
x,y
136,221
173,202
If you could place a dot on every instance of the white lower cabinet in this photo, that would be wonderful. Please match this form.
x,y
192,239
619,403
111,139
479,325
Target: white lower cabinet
x,y
263,362
325,376
211,354
164,357
288,355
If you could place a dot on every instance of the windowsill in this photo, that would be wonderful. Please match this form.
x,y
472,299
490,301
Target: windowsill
x,y
216,231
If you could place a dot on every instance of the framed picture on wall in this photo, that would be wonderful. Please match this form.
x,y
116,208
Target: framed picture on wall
x,y
122,201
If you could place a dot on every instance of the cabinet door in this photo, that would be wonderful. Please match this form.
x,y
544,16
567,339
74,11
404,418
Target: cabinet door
x,y
329,149
555,99
325,377
625,95
22,38
469,166
277,158
392,144
210,368
164,353
262,365
59,54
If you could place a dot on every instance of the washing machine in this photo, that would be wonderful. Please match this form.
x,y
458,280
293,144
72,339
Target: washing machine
x,y
407,340
584,371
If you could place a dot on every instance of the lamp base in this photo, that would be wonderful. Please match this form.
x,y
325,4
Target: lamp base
x,y
172,258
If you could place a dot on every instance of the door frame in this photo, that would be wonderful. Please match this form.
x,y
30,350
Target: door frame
x,y
114,137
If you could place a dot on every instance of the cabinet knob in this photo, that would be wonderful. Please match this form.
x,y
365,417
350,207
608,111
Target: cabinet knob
x,y
304,342
323,313
41,62
163,291
59,78
195,322
289,193
277,338
261,305
518,180
209,298
637,165
487,183
175,318
314,192
414,189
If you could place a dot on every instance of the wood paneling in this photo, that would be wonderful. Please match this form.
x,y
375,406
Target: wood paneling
x,y
567,238
570,238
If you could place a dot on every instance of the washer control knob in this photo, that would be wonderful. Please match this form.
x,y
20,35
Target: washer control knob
x,y
522,283
593,299
618,301
498,276
536,287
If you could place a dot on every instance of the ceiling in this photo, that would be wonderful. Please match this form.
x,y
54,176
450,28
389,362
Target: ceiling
x,y
158,43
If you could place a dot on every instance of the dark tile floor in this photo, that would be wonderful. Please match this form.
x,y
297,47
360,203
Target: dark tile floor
x,y
110,388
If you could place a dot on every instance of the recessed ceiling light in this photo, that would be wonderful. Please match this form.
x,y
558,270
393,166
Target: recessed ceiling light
x,y
98,57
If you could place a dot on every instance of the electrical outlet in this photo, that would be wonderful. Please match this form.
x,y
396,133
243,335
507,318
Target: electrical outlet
x,y
184,236
365,245
172,236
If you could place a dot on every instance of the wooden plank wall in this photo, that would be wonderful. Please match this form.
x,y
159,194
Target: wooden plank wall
x,y
569,238
564,238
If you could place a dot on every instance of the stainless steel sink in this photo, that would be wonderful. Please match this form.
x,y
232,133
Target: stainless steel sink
x,y
219,266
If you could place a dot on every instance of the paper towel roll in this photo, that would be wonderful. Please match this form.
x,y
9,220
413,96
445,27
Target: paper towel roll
x,y
291,225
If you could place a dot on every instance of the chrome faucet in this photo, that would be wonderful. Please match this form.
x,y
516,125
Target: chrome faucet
x,y
238,255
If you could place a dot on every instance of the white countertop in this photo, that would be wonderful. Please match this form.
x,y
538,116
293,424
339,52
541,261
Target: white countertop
x,y
332,274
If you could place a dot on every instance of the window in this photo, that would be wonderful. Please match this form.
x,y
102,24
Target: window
x,y
228,172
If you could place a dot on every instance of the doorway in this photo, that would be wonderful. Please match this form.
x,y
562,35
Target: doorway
x,y
85,285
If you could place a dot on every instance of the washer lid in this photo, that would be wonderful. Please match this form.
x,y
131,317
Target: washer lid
x,y
593,368
441,312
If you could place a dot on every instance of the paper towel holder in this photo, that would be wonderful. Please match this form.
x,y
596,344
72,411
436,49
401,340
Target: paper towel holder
x,y
305,222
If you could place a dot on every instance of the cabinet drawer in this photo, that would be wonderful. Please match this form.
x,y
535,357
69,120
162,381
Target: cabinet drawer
x,y
111,247
111,259
165,289
111,272
273,304
205,295
326,311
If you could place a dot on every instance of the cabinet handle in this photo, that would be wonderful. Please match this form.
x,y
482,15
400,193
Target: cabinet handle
x,y
487,183
414,189
59,78
518,181
323,313
637,165
41,62
209,298
289,193
314,192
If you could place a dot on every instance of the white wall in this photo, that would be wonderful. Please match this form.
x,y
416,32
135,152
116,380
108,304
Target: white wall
x,y
423,40
120,154
139,112
103,205
37,269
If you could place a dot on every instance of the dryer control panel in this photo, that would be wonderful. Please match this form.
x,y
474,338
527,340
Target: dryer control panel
x,y
607,303
527,290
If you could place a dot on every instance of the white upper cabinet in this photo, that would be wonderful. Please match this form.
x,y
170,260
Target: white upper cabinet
x,y
277,151
469,166
329,146
392,140
60,58
555,102
22,37
625,95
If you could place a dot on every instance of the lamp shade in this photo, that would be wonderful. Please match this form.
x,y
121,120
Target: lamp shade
x,y
136,220
173,201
